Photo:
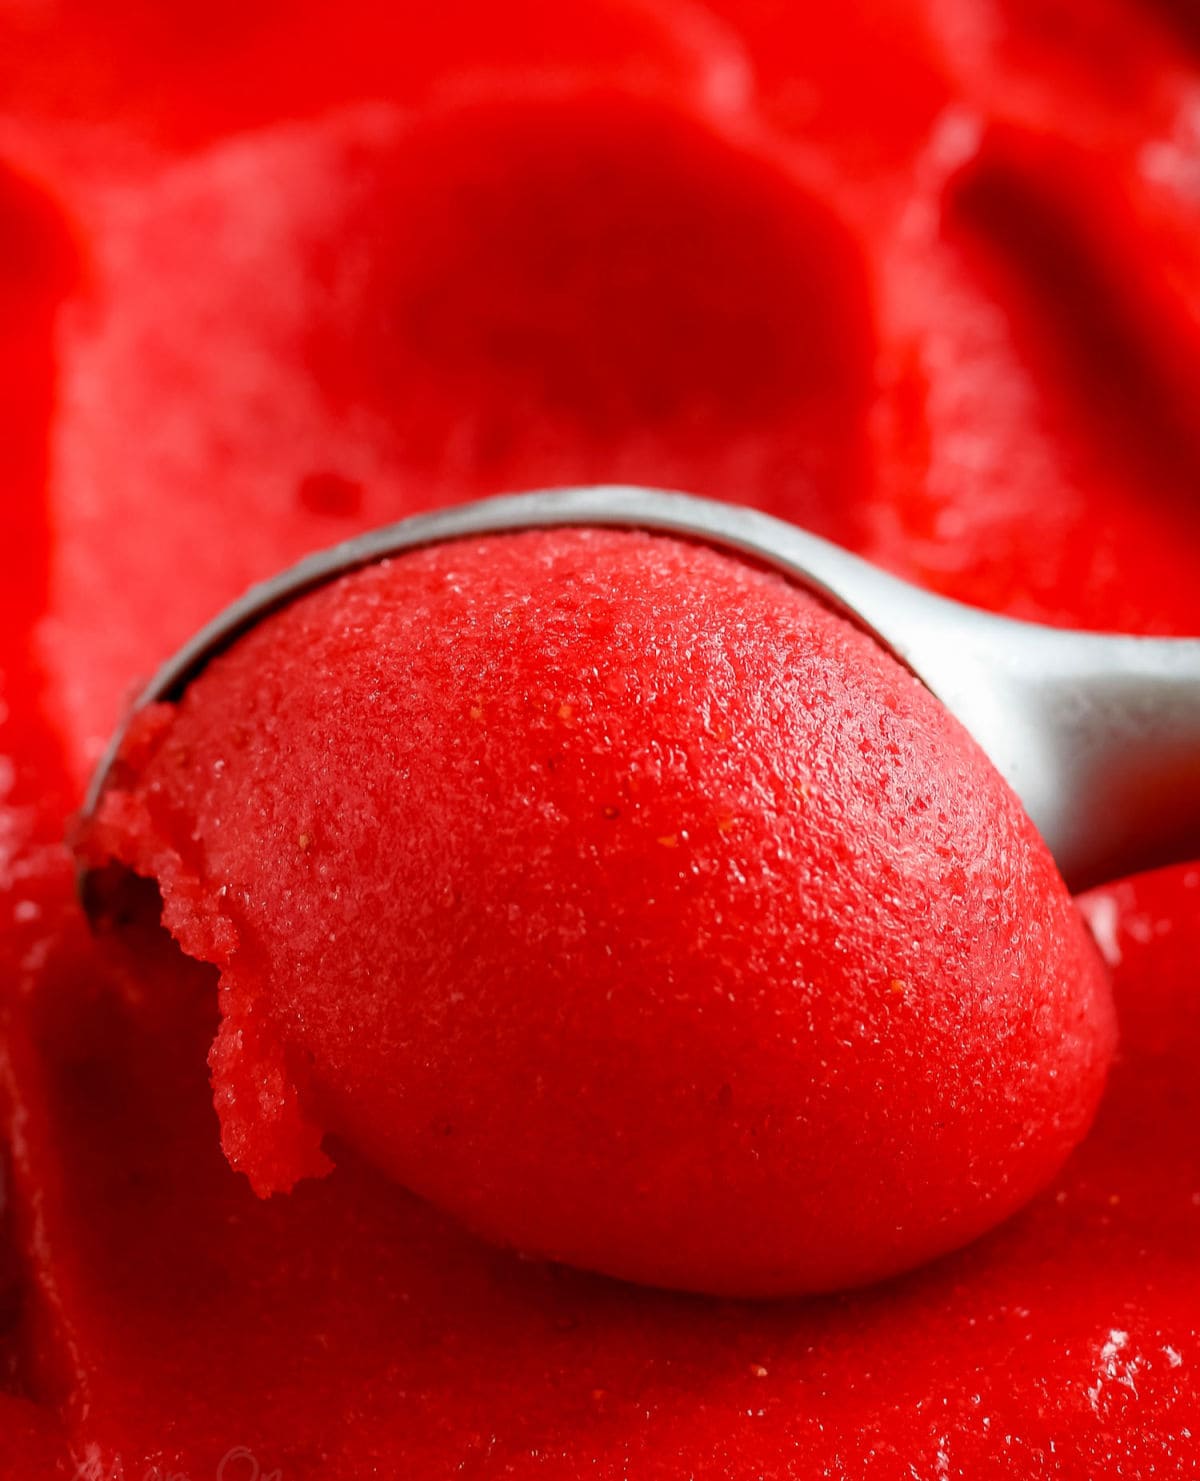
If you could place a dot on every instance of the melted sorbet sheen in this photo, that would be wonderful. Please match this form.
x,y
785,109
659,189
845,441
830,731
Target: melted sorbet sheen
x,y
625,902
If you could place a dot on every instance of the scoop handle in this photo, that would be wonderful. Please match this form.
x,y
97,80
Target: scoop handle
x,y
1120,720
1098,734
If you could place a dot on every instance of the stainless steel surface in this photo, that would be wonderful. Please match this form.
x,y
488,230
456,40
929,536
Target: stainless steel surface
x,y
1099,736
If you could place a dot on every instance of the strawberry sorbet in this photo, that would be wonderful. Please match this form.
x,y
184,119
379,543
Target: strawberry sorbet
x,y
620,898
922,276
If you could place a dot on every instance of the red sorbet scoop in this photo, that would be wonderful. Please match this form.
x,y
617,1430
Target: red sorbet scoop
x,y
618,897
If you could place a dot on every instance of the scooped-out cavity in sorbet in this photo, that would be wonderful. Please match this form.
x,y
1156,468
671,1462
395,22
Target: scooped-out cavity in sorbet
x,y
616,896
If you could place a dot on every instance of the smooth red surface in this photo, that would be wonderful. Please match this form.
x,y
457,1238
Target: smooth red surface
x,y
164,469
1063,1344
423,344
620,898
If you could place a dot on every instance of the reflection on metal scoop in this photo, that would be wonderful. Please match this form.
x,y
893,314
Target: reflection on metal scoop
x,y
1098,735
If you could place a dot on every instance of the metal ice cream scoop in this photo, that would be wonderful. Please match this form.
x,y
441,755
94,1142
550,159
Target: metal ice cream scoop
x,y
1098,735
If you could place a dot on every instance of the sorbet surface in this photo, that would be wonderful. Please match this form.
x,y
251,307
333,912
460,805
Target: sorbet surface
x,y
265,285
621,898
